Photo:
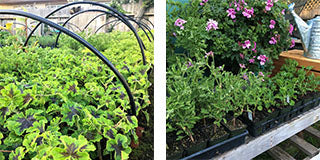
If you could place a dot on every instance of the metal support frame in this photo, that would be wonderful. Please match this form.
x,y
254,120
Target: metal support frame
x,y
86,44
101,5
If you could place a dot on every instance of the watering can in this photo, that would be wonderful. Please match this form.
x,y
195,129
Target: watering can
x,y
310,33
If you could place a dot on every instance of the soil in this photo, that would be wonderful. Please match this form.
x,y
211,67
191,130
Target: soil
x,y
145,148
232,127
201,133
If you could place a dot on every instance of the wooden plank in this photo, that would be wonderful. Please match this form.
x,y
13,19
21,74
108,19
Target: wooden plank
x,y
304,146
279,154
272,138
303,61
312,131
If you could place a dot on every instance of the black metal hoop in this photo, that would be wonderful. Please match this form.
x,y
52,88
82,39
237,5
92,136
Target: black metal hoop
x,y
105,25
71,24
139,24
89,10
101,5
85,43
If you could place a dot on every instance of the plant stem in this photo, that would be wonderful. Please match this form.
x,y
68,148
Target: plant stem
x,y
190,135
99,151
7,151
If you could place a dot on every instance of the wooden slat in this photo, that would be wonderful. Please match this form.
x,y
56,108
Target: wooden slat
x,y
304,146
314,132
279,154
303,61
258,145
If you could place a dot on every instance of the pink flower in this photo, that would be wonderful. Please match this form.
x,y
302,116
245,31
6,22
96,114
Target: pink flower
x,y
242,66
241,56
263,59
261,74
248,12
283,11
203,2
251,60
273,40
246,44
231,13
269,5
272,23
243,2
212,24
209,54
254,47
293,43
291,29
174,34
179,22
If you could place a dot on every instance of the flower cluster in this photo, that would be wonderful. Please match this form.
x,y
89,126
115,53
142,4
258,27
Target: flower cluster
x,y
272,23
179,22
269,5
212,24
248,12
203,2
263,59
232,13
291,29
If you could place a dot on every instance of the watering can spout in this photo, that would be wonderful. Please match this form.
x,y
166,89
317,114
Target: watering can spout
x,y
303,27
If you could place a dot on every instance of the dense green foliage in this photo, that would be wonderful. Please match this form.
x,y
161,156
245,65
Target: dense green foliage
x,y
227,41
192,97
65,103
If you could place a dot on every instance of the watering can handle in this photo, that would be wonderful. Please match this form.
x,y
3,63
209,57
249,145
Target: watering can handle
x,y
291,7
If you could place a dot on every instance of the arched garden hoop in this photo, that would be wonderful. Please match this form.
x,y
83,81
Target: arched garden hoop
x,y
101,5
93,10
86,44
138,23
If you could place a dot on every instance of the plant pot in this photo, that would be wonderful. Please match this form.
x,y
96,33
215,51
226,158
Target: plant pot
x,y
219,148
196,148
175,155
220,136
239,127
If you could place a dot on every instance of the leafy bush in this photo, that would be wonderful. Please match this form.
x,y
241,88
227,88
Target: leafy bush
x,y
66,104
246,34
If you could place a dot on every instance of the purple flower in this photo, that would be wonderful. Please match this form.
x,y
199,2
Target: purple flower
x,y
283,11
243,2
220,67
231,13
293,43
209,54
179,22
241,56
262,80
201,4
174,34
272,23
212,24
273,40
246,44
204,1
245,77
242,66
251,60
263,59
269,5
291,29
189,64
248,12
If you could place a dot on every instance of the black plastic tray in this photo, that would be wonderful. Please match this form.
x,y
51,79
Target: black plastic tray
x,y
219,148
257,130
